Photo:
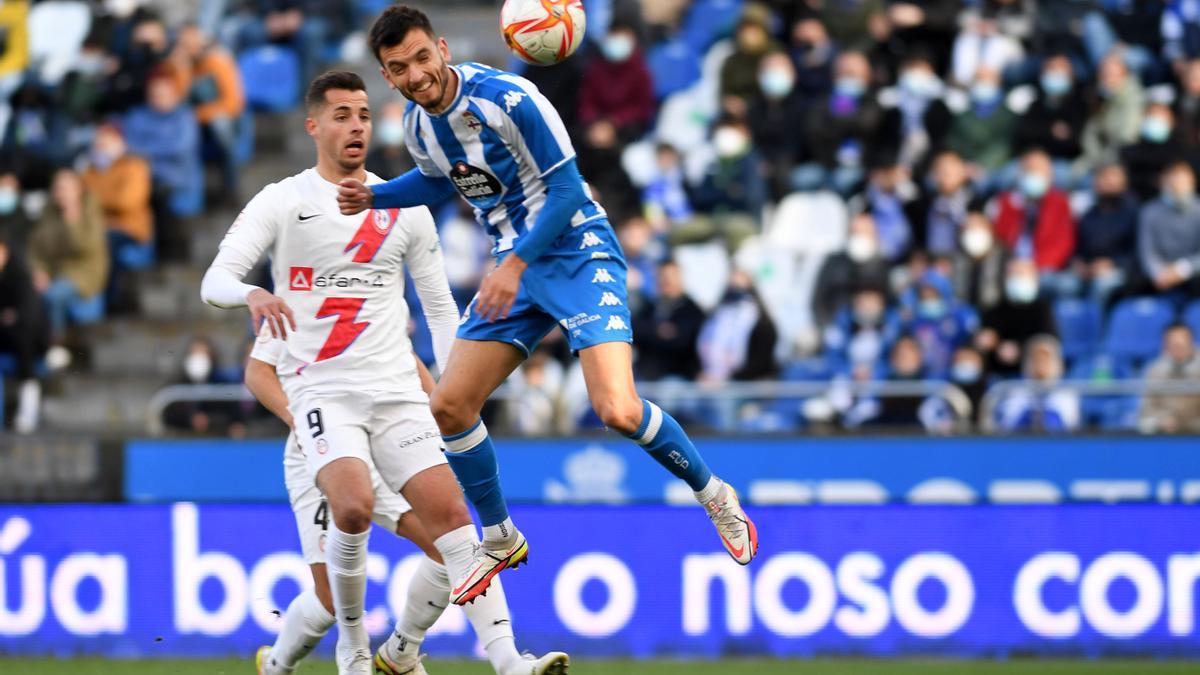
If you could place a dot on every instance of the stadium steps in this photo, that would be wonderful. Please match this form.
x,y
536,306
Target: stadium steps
x,y
100,405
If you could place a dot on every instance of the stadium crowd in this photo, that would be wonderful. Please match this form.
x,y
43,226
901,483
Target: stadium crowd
x,y
830,190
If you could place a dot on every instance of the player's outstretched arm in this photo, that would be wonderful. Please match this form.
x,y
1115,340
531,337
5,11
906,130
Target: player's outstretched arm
x,y
411,189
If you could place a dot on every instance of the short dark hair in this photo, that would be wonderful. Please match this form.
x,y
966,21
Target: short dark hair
x,y
393,26
328,81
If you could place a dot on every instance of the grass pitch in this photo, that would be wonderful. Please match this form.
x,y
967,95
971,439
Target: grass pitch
x,y
726,667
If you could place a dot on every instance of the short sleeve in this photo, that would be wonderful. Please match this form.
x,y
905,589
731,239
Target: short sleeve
x,y
535,124
267,348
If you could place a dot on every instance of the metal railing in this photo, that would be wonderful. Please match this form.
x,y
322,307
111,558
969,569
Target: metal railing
x,y
727,396
999,392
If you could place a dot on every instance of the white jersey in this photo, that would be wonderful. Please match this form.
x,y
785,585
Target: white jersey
x,y
343,278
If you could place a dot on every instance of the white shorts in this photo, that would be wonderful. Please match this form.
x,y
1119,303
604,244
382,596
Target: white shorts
x,y
312,512
400,438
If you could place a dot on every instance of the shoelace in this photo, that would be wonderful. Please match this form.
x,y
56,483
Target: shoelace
x,y
727,520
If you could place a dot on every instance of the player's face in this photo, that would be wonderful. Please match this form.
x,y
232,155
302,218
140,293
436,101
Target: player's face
x,y
342,128
419,68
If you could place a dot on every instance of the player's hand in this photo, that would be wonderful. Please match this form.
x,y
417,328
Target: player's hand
x,y
499,289
270,309
354,197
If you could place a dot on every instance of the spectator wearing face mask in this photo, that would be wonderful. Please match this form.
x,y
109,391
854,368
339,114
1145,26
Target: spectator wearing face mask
x,y
1157,146
952,199
938,321
894,203
216,92
616,88
813,53
1169,233
772,118
667,329
861,264
664,199
730,199
860,333
1173,413
979,263
739,72
82,94
917,120
1022,314
840,128
906,363
149,53
1117,120
122,183
1054,121
737,342
201,365
968,372
981,132
389,156
1034,221
1041,406
1105,255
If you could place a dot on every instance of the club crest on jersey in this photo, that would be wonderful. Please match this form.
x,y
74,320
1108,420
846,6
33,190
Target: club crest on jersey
x,y
300,279
369,238
472,122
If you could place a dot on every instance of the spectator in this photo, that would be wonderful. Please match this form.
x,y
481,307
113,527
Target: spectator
x,y
938,321
772,119
927,27
813,53
982,44
643,252
561,84
149,54
201,365
978,266
616,89
730,199
1054,121
291,23
1105,255
917,121
1166,412
1035,221
1116,122
1041,406
906,363
83,94
165,132
1133,28
948,208
861,333
216,92
843,274
23,333
665,199
1169,233
737,342
969,373
12,217
840,128
982,131
1187,111
537,385
739,73
666,330
1022,314
389,156
1157,147
68,252
1180,32
894,203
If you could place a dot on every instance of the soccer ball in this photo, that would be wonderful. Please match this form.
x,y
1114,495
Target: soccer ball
x,y
543,32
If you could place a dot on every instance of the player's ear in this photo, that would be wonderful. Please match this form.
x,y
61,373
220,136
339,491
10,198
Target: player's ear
x,y
310,125
444,48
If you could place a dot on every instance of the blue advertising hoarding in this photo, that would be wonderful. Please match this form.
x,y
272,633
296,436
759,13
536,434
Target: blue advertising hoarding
x,y
200,580
799,470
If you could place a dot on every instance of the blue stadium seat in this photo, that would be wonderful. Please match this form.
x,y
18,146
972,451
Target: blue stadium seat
x,y
272,77
674,65
1135,329
709,21
1079,324
1191,317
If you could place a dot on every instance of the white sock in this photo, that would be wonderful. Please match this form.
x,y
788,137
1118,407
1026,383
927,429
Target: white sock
x,y
428,597
346,560
304,624
489,613
500,533
710,490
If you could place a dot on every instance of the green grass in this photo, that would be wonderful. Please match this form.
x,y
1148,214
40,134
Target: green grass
x,y
727,667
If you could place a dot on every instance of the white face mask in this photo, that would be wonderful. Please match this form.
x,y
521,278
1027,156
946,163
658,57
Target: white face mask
x,y
861,248
1021,289
197,366
390,132
976,242
730,142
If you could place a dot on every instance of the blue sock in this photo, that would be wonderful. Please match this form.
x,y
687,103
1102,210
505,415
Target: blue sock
x,y
473,460
662,437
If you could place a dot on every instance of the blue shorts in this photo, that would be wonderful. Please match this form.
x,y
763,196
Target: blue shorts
x,y
578,284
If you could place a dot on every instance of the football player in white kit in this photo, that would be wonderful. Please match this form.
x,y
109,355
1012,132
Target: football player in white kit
x,y
310,615
347,368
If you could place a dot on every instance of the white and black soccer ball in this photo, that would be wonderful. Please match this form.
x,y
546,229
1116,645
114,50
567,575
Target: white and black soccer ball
x,y
543,32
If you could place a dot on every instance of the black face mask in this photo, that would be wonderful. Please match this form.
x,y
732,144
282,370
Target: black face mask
x,y
1110,200
804,46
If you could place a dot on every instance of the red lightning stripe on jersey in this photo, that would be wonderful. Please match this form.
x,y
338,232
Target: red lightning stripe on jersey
x,y
346,330
370,236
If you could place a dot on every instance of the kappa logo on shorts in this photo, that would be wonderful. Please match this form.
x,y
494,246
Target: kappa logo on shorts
x,y
300,279
589,240
603,277
600,255
616,323
323,445
609,300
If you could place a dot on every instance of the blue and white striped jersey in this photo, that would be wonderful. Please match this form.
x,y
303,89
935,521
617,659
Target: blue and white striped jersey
x,y
496,142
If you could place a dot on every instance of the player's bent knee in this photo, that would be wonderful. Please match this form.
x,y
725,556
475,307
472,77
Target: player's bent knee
x,y
622,415
452,414
352,513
